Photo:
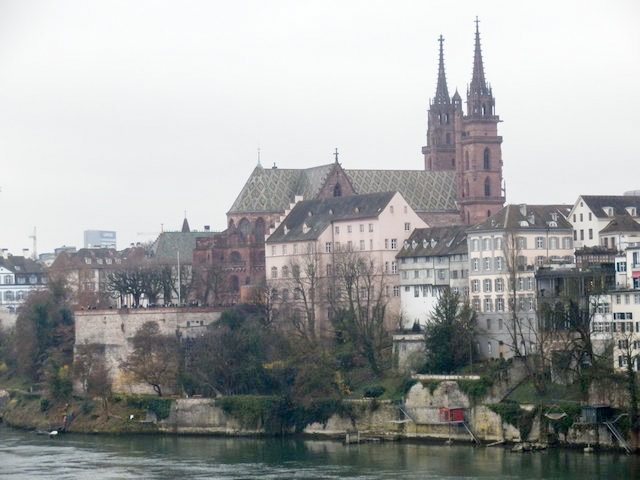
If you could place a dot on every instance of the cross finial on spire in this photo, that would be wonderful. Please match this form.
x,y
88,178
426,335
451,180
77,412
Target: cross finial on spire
x,y
259,156
442,93
336,154
477,23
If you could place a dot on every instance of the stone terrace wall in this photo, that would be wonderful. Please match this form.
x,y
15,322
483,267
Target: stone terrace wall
x,y
115,329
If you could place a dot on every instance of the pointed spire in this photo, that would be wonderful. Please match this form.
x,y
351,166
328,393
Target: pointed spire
x,y
442,93
185,224
478,83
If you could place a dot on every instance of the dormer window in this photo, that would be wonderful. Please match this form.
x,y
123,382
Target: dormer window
x,y
424,243
608,211
87,260
108,260
632,211
305,228
357,210
414,244
286,230
554,216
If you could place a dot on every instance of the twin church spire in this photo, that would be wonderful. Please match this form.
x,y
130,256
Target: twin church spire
x,y
479,95
467,143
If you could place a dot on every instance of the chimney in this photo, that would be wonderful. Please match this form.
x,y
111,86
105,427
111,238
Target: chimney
x,y
4,253
523,209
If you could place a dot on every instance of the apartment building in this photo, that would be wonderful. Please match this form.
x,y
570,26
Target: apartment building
x,y
504,252
431,260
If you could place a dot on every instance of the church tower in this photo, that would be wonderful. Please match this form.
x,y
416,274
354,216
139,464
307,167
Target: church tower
x,y
440,151
479,155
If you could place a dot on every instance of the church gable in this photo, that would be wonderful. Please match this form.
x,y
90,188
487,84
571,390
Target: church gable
x,y
336,184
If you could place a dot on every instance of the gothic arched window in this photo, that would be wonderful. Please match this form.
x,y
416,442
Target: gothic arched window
x,y
487,159
466,160
235,284
337,190
487,187
465,192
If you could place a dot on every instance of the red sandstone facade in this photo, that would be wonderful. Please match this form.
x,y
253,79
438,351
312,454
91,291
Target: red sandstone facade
x,y
469,143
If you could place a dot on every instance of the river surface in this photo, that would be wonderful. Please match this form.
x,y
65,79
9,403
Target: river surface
x,y
25,455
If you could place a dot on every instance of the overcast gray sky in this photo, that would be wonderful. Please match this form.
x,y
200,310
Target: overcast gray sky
x,y
122,114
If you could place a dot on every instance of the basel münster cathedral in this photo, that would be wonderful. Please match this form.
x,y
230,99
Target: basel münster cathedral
x,y
461,182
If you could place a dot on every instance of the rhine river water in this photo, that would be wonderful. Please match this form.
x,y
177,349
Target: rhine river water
x,y
24,455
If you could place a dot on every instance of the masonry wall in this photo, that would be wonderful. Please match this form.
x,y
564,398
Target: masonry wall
x,y
115,329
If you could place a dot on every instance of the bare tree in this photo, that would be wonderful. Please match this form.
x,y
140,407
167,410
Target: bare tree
x,y
210,282
155,358
358,305
304,282
628,347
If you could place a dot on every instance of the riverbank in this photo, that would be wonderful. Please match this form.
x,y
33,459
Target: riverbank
x,y
366,420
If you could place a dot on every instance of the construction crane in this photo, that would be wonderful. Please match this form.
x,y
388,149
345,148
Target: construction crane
x,y
34,237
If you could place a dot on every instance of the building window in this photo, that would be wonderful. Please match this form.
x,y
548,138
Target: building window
x,y
327,247
475,264
475,303
487,263
488,305
285,272
591,234
407,226
521,243
337,230
581,234
274,272
349,229
361,244
487,187
391,209
396,291
539,242
499,263
295,248
394,268
273,250
329,270
487,159
284,249
441,274
416,291
486,285
394,244
349,246
500,308
489,324
475,286
486,244
553,243
370,227
499,285
497,243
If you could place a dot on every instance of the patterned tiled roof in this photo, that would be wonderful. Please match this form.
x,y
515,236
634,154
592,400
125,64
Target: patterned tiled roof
x,y
272,190
424,191
622,223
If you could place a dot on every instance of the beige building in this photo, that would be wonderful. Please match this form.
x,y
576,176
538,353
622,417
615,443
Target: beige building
x,y
504,252
322,233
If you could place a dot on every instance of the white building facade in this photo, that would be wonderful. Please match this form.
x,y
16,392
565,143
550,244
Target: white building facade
x,y
431,260
592,213
504,252
19,276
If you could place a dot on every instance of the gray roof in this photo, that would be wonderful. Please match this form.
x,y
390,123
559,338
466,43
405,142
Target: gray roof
x,y
436,241
525,217
21,265
318,214
622,223
619,203
272,190
168,244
